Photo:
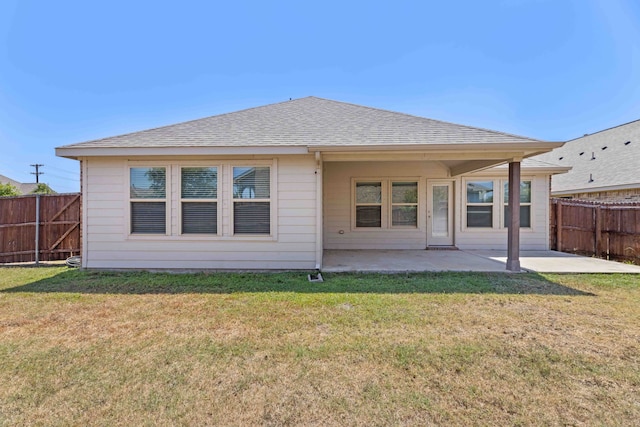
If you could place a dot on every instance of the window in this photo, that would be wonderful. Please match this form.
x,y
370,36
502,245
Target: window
x,y
194,199
525,204
148,200
479,204
386,204
252,200
404,204
199,200
481,200
369,204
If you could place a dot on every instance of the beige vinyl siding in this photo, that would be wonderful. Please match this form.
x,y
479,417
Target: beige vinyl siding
x,y
292,245
338,209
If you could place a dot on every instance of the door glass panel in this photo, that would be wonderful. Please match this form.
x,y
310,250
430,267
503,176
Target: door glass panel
x,y
440,225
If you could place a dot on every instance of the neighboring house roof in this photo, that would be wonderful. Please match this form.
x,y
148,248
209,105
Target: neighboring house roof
x,y
23,188
605,160
306,124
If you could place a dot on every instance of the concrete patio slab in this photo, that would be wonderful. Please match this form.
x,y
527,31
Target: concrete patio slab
x,y
469,260
560,262
407,260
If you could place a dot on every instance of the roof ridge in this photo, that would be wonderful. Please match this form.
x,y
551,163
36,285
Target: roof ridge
x,y
533,159
604,130
430,119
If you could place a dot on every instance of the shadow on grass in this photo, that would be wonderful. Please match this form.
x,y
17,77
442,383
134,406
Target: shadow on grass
x,y
89,282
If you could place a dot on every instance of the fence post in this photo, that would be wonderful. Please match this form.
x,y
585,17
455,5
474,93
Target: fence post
x,y
598,231
37,229
559,225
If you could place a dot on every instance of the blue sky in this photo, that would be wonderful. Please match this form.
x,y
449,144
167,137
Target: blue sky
x,y
72,71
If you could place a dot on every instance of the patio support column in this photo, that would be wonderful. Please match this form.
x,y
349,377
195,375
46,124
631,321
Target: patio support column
x,y
513,221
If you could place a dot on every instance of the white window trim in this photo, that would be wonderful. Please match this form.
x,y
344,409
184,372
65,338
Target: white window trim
x,y
129,200
230,200
503,219
355,204
182,200
386,203
498,221
225,201
392,204
466,204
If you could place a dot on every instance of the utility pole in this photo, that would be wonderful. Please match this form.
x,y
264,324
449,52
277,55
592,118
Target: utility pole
x,y
37,173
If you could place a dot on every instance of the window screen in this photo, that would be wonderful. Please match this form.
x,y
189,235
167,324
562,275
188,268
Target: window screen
x,y
252,218
147,194
200,218
369,204
252,200
480,204
199,191
404,204
525,204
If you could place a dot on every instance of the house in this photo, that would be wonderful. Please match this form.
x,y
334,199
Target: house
x,y
23,188
272,187
604,165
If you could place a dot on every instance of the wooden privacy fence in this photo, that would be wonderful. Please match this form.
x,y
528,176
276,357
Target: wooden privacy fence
x,y
604,230
49,222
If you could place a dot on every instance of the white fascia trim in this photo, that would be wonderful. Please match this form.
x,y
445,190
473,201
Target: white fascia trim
x,y
75,152
535,147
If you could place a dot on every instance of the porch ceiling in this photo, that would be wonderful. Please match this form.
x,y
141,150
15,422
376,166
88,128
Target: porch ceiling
x,y
457,162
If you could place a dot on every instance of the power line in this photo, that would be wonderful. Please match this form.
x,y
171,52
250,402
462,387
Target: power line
x,y
62,170
37,173
65,178
66,189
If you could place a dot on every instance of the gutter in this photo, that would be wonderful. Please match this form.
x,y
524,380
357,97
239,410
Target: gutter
x,y
76,152
536,147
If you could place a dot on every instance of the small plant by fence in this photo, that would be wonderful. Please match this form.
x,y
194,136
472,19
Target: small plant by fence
x,y
49,222
604,230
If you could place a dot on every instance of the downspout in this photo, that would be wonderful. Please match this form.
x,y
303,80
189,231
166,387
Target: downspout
x,y
84,168
319,213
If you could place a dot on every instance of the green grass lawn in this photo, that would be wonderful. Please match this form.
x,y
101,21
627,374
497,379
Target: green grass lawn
x,y
86,348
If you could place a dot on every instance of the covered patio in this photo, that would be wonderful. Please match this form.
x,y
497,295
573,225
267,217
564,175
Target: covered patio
x,y
465,260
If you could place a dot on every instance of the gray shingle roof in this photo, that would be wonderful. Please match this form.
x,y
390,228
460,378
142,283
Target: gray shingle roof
x,y
534,162
616,165
306,122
